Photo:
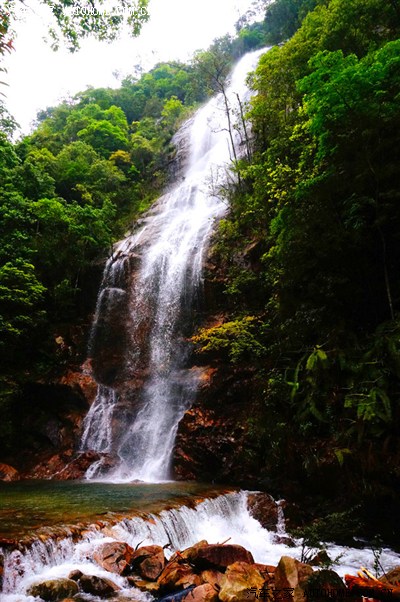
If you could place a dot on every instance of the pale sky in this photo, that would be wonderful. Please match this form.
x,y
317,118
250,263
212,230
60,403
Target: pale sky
x,y
39,77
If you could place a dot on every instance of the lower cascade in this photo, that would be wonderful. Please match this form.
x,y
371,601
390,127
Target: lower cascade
x,y
138,349
220,519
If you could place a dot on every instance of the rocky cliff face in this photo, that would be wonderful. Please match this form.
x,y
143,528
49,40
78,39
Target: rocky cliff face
x,y
214,441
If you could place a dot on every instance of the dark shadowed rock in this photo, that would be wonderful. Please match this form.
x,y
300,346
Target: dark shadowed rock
x,y
325,585
98,586
263,508
75,575
149,561
115,557
109,336
220,556
212,437
177,596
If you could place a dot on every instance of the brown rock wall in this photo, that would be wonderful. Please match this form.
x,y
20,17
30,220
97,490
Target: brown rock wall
x,y
213,435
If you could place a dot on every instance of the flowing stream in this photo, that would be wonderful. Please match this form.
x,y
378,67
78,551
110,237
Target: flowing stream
x,y
216,519
138,349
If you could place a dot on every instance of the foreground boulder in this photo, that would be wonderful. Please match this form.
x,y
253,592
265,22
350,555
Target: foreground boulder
x,y
213,577
53,590
149,561
239,578
98,586
219,556
191,552
291,573
177,575
115,557
325,584
145,586
202,593
8,473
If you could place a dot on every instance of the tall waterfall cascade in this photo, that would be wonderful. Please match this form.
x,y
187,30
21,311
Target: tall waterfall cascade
x,y
138,349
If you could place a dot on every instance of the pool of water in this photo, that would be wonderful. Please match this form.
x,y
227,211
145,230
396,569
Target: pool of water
x,y
28,506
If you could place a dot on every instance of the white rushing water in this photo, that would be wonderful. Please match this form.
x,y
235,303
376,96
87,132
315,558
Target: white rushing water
x,y
166,254
215,520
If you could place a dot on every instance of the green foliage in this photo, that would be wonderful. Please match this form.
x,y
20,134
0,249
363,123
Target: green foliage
x,y
319,201
20,296
283,18
172,113
335,527
252,37
236,339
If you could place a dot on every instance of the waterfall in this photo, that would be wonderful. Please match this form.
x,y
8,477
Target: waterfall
x,y
138,348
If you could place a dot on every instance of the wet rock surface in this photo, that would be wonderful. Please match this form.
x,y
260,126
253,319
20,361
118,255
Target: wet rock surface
x,y
220,556
53,590
291,573
202,593
184,579
263,508
97,586
115,557
8,473
177,575
49,436
392,576
239,579
149,561
70,465
211,438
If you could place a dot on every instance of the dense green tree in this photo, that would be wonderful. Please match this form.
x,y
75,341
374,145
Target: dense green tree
x,y
105,137
318,206
283,18
21,305
83,175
